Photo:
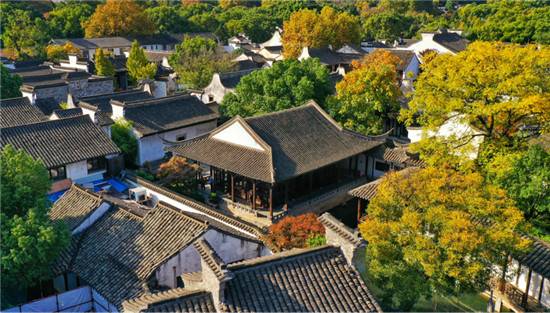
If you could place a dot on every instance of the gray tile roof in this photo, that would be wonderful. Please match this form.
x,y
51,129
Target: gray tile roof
x,y
246,65
329,221
60,142
19,111
215,218
173,300
103,102
312,280
231,80
292,149
159,115
452,41
74,207
539,257
64,113
120,252
399,154
405,56
157,56
122,42
366,191
370,190
47,105
326,55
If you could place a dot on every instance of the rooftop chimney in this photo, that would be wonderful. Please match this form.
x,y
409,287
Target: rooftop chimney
x,y
340,235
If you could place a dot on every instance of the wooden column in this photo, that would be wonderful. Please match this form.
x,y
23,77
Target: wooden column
x,y
271,202
232,187
518,273
254,195
526,295
358,209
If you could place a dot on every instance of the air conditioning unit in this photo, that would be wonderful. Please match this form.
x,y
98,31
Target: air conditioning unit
x,y
138,194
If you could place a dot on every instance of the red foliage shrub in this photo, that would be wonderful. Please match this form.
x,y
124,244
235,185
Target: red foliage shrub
x,y
293,231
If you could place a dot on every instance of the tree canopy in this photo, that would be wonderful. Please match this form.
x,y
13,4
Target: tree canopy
x,y
197,59
67,19
123,136
103,65
29,241
295,232
118,18
179,175
57,52
139,67
439,230
494,88
368,93
10,84
287,84
307,28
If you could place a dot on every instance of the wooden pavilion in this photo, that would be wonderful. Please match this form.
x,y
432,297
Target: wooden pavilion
x,y
269,160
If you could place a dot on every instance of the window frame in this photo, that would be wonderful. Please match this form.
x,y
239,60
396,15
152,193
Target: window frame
x,y
57,176
376,163
97,164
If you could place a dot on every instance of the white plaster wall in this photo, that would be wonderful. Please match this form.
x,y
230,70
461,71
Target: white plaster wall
x,y
414,134
29,95
107,129
235,133
412,67
534,286
117,111
160,90
78,172
150,147
427,43
229,248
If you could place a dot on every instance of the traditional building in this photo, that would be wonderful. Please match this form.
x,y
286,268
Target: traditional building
x,y
124,250
267,161
275,40
222,84
49,81
19,111
71,148
117,45
322,279
441,41
172,118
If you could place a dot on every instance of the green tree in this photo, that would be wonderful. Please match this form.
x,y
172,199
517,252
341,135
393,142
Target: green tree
x,y
389,26
196,60
29,242
368,93
103,65
168,19
10,84
123,136
526,178
67,18
138,65
287,84
258,27
439,230
17,38
25,182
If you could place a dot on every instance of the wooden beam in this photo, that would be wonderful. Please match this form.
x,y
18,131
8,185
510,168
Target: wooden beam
x,y
271,202
254,195
358,210
526,294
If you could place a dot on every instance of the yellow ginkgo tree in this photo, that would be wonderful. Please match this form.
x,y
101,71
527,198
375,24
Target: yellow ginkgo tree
x,y
502,91
439,230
